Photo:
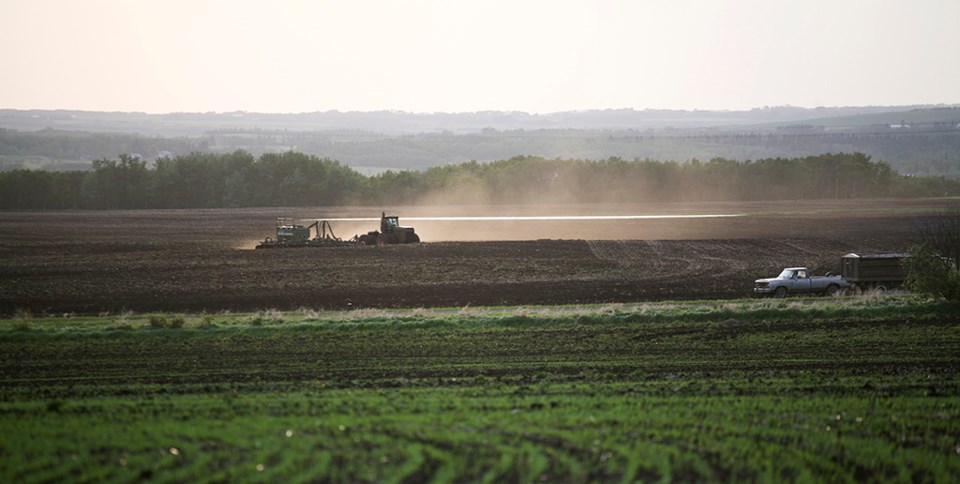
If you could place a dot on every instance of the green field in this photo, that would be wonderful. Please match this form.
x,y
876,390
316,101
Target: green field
x,y
863,388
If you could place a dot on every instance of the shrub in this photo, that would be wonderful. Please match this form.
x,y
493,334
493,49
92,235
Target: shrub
x,y
21,319
160,322
206,321
932,275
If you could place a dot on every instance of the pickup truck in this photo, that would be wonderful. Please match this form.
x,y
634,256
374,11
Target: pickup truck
x,y
797,280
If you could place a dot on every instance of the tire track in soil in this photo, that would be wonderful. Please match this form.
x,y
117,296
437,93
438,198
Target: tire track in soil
x,y
716,266
658,260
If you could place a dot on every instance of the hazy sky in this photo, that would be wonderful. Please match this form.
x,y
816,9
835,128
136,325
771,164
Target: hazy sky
x,y
426,56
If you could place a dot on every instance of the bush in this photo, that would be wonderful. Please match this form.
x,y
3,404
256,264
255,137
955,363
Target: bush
x,y
932,275
206,321
21,319
157,322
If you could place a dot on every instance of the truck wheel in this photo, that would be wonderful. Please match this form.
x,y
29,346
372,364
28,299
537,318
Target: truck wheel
x,y
833,290
781,292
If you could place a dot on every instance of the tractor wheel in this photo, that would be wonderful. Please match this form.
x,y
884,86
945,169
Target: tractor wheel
x,y
414,238
781,292
833,290
381,240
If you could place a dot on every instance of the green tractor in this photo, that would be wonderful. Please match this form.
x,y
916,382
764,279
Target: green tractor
x,y
390,233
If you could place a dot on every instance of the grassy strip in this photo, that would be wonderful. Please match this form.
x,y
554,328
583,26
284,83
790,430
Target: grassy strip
x,y
859,308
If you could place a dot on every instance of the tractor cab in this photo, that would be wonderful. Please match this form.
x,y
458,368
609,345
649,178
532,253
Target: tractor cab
x,y
389,224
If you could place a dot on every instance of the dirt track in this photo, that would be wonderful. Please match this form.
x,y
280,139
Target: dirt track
x,y
193,260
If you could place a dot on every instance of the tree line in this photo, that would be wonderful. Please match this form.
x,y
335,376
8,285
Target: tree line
x,y
910,150
915,151
78,145
238,179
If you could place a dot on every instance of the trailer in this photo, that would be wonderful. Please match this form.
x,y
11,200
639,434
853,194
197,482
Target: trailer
x,y
874,271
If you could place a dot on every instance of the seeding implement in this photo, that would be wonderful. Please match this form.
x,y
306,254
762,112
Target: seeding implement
x,y
290,234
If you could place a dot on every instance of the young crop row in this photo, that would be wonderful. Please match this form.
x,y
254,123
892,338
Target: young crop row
x,y
493,433
805,390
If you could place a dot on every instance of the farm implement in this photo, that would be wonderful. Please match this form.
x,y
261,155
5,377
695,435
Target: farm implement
x,y
290,234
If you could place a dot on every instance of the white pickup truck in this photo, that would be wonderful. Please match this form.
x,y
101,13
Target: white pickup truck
x,y
797,280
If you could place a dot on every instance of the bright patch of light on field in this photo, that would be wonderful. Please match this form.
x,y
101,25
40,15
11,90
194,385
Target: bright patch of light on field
x,y
542,218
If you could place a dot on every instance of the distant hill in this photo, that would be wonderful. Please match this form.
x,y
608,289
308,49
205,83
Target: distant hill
x,y
399,123
921,140
946,117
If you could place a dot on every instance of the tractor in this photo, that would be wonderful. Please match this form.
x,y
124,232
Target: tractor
x,y
390,233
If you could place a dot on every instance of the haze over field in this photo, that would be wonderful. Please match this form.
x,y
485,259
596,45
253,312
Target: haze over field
x,y
431,56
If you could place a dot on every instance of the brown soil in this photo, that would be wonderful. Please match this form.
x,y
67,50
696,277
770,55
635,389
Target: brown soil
x,y
197,260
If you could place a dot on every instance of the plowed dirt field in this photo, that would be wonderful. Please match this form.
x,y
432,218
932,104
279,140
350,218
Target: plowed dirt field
x,y
194,260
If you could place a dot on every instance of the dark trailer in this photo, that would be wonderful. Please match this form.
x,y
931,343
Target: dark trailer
x,y
874,271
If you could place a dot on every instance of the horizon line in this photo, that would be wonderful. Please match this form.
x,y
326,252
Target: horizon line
x,y
529,113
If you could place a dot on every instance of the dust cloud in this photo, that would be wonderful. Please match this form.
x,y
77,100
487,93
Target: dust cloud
x,y
247,244
603,221
533,227
533,222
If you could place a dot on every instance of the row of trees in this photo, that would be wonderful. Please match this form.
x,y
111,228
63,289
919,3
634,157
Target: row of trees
x,y
80,145
535,179
238,179
909,150
198,180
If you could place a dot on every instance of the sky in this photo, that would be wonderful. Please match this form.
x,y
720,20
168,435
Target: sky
x,y
288,56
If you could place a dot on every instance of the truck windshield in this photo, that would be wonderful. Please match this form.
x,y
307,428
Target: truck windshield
x,y
786,274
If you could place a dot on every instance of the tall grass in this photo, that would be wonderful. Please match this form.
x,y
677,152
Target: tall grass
x,y
869,307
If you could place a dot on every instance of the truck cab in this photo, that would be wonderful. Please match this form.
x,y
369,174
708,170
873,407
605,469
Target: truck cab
x,y
796,279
